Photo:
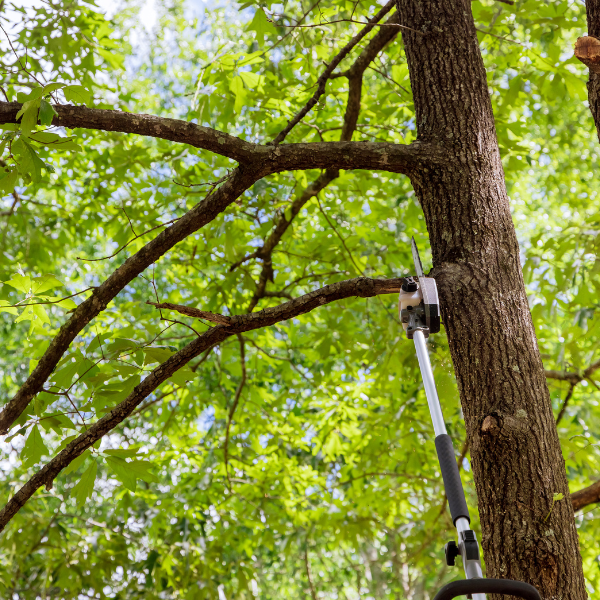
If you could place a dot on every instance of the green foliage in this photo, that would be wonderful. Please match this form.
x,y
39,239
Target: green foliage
x,y
83,489
331,460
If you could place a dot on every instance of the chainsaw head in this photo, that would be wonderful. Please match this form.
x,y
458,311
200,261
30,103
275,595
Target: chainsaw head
x,y
419,306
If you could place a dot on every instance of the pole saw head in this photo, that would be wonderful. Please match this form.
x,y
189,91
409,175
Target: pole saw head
x,y
419,307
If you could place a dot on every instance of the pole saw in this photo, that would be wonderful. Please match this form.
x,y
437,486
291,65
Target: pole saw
x,y
419,310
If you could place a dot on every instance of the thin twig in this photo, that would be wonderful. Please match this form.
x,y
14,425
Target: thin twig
x,y
388,78
565,403
313,593
499,37
323,78
233,408
316,25
129,242
340,237
18,59
19,305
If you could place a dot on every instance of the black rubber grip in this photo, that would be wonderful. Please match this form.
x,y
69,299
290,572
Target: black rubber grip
x,y
452,482
507,587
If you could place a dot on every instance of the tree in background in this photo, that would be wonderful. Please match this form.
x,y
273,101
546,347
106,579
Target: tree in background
x,y
210,394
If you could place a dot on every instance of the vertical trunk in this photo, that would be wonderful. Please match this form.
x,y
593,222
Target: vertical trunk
x,y
516,456
592,8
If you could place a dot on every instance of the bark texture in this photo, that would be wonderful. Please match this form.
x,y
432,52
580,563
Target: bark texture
x,y
516,455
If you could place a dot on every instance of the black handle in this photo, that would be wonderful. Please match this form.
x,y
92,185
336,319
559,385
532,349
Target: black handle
x,y
488,586
451,476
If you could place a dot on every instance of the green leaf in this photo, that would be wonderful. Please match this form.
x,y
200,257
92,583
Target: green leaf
x,y
54,141
14,435
575,85
57,422
43,137
46,113
120,346
142,469
42,284
75,464
64,376
35,314
77,94
129,472
35,93
252,59
83,489
65,442
557,496
30,163
9,180
262,26
124,474
156,355
236,85
29,115
251,80
7,308
98,341
34,448
51,87
182,376
67,303
21,283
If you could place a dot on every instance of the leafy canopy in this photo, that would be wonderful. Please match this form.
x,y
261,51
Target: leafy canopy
x,y
328,484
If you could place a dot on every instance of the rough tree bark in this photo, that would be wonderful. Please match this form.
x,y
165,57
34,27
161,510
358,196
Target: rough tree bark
x,y
591,57
516,456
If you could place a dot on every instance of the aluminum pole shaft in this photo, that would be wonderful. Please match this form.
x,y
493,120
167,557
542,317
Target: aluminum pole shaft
x,y
429,383
472,567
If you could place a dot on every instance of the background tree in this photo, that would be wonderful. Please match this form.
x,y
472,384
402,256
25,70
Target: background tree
x,y
234,435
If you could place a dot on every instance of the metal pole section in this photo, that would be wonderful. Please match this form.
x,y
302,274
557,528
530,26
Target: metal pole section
x,y
429,383
472,567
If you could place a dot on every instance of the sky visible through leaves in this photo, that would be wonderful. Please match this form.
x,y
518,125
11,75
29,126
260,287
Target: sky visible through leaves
x,y
330,487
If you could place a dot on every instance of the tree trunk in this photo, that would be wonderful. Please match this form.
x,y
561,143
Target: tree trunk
x,y
592,8
516,456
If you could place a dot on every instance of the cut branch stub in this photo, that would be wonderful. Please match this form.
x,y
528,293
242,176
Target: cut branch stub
x,y
190,311
587,50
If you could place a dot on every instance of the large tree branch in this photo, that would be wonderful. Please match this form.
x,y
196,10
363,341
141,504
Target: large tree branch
x,y
201,214
588,495
164,128
362,287
396,158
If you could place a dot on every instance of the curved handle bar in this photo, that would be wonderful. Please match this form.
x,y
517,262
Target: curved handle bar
x,y
488,586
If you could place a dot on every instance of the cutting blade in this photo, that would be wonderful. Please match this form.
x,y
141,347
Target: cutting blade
x,y
416,258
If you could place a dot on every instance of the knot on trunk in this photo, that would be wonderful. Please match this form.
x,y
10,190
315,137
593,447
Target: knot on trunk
x,y
490,426
504,428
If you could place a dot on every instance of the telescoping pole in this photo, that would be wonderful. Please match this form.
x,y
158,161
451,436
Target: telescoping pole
x,y
467,546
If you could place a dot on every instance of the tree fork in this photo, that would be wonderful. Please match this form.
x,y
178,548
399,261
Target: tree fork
x,y
517,463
